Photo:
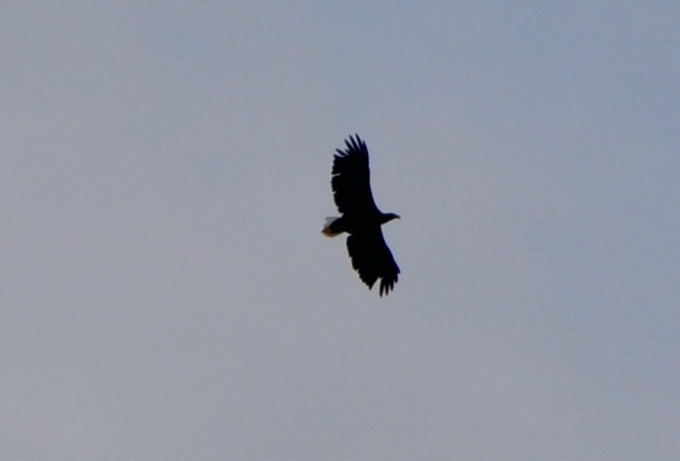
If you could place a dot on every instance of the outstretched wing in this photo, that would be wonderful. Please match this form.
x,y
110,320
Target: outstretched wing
x,y
372,259
351,179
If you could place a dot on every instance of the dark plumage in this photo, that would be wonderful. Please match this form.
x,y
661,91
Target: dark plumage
x,y
361,218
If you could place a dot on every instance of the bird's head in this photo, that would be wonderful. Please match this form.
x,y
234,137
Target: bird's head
x,y
387,217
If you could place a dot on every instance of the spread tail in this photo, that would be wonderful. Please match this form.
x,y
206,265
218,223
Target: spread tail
x,y
327,231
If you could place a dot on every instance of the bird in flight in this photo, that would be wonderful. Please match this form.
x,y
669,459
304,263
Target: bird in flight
x,y
361,218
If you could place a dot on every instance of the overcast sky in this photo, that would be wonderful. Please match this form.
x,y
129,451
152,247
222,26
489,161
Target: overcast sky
x,y
166,294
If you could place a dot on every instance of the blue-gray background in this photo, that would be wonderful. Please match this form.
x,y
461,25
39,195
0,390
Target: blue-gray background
x,y
165,291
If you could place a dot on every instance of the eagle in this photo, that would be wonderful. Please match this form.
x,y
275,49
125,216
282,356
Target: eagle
x,y
361,218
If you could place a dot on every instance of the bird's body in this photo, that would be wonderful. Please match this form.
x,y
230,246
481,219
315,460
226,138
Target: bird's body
x,y
361,218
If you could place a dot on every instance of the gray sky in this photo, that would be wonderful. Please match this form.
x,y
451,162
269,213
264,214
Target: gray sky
x,y
165,291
